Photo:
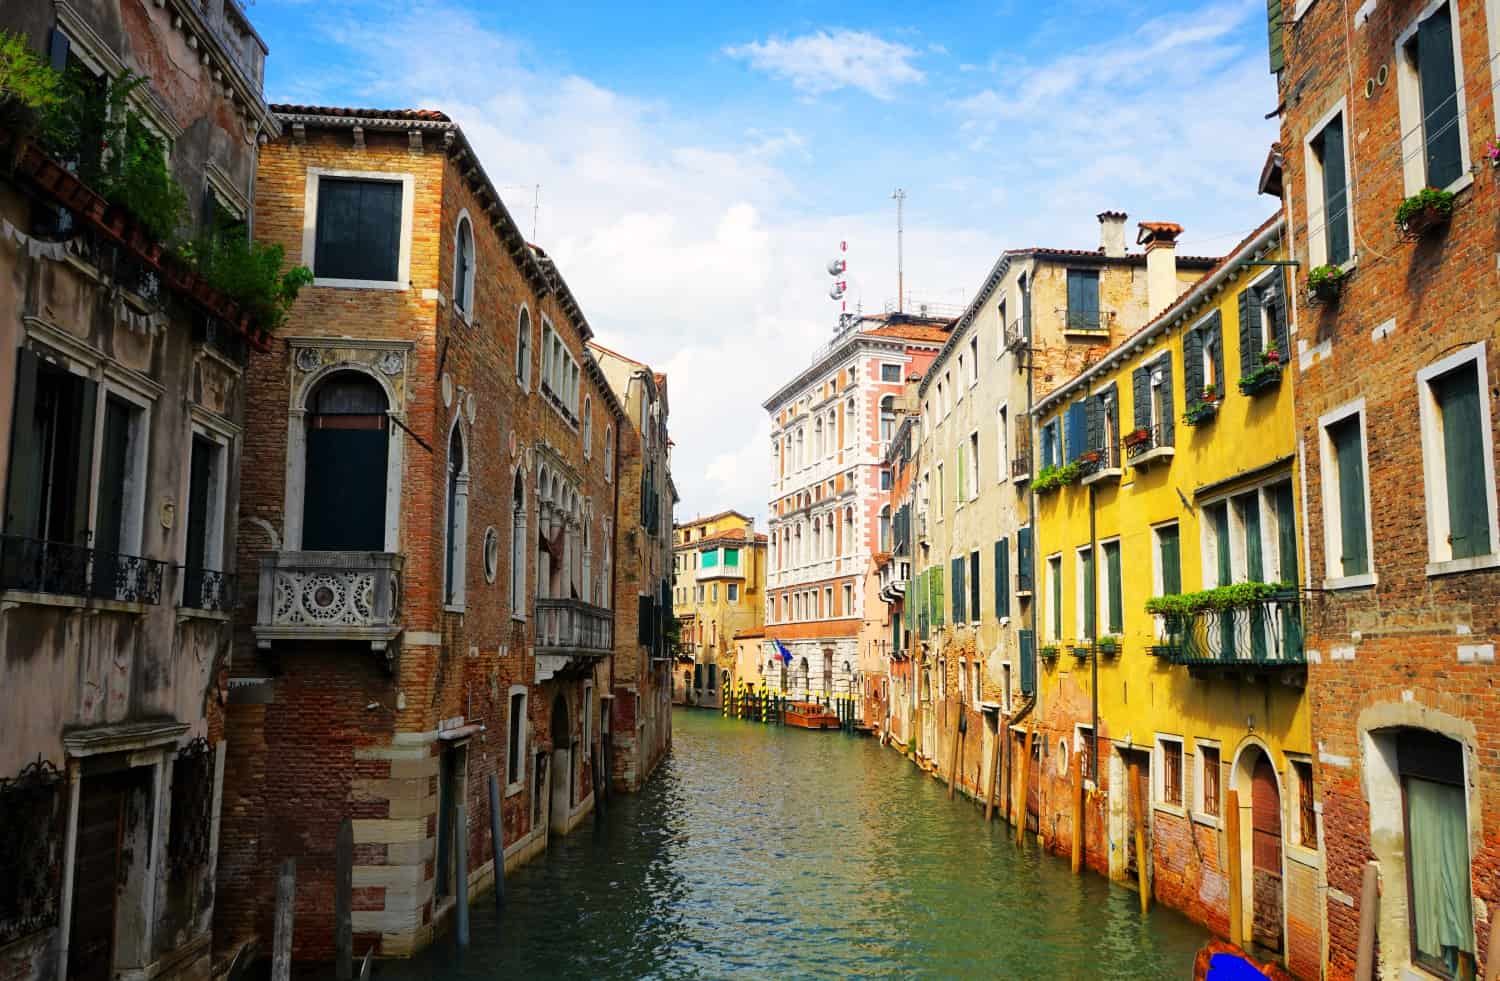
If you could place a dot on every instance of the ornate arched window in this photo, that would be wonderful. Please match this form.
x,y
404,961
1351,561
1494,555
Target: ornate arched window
x,y
344,493
518,548
463,268
457,523
523,349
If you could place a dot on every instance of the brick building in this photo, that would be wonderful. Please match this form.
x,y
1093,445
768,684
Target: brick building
x,y
640,722
428,500
1396,373
120,435
830,427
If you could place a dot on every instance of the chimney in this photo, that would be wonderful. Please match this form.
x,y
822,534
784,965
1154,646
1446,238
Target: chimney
x,y
1112,233
1160,240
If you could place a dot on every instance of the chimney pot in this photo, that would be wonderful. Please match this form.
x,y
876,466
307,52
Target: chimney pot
x,y
1160,240
1112,233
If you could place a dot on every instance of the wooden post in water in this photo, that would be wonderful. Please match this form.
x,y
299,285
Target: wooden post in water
x,y
989,795
286,908
497,842
1369,912
1136,812
957,753
1492,957
1077,813
1236,882
343,897
1025,790
461,872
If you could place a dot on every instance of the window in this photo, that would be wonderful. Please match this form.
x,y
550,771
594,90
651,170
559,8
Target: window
x,y
1345,498
1002,430
560,374
1262,316
203,581
1112,609
1083,745
1434,143
1084,600
1051,449
523,349
1005,684
1208,792
362,228
588,427
1054,601
973,361
848,600
518,550
515,750
1203,360
885,478
960,595
714,593
1002,578
463,267
887,418
963,373
588,714
1458,462
1438,873
973,481
973,609
456,527
1307,814
1169,770
826,606
609,454
121,487
890,372
939,490
884,540
344,493
1330,221
1083,299
734,592
977,685
1168,569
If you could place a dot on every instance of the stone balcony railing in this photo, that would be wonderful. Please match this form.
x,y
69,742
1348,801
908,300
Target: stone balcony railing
x,y
572,627
329,596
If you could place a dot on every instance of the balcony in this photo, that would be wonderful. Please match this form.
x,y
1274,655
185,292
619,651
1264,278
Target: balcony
x,y
330,596
1020,464
31,565
1088,323
208,589
1263,636
1015,335
1144,447
570,636
1104,465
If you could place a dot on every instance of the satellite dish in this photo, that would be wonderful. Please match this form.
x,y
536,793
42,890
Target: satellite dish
x,y
836,291
836,266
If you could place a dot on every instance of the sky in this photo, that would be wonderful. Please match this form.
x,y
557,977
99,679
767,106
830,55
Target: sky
x,y
700,164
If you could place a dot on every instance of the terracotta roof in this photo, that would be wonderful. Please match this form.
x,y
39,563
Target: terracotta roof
x,y
1162,226
701,519
1130,258
1112,214
914,331
421,115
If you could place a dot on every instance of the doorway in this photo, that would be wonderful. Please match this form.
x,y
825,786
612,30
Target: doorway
x,y
108,804
1265,854
450,836
1138,789
562,765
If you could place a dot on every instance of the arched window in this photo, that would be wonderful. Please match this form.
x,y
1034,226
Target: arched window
x,y
523,349
849,423
817,538
463,268
887,418
830,541
588,426
518,549
458,519
885,528
609,454
818,438
343,504
848,531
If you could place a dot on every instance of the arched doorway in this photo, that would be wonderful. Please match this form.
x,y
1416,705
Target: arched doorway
x,y
344,490
1262,890
562,765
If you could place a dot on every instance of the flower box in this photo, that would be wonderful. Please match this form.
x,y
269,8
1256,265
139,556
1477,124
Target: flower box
x,y
1109,646
1202,411
1048,652
1324,284
1089,456
1424,221
1137,438
1262,378
1424,211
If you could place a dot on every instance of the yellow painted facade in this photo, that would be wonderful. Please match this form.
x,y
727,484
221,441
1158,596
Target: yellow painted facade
x,y
1229,486
719,584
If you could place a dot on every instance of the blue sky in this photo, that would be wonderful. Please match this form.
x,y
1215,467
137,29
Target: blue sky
x,y
699,163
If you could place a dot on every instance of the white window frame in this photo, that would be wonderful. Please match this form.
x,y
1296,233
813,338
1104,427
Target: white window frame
x,y
1006,680
519,540
223,435
1054,617
889,364
960,388
1333,540
940,492
1409,100
314,179
1440,560
1101,579
609,454
1200,784
1080,601
848,597
825,606
1002,440
466,311
734,592
1084,741
524,733
971,447
588,427
1293,785
133,504
1317,244
976,683
457,543
1159,774
973,360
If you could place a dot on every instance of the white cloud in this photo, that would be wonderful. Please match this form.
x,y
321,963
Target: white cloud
x,y
826,61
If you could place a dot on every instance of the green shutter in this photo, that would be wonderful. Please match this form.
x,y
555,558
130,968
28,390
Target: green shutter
x,y
935,599
959,595
1002,579
1140,394
1094,420
1168,419
1349,453
1116,589
1255,566
1438,78
1023,558
1457,394
1192,365
1219,515
1286,532
1275,297
1090,596
1249,330
1056,587
1335,215
1215,331
1275,31
1170,544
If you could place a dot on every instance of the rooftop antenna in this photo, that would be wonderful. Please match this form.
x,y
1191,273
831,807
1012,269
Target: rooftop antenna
x,y
536,202
900,198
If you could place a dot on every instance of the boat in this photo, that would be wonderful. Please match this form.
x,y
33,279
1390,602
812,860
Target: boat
x,y
809,715
1220,961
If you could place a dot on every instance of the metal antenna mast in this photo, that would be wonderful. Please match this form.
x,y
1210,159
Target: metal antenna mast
x,y
900,199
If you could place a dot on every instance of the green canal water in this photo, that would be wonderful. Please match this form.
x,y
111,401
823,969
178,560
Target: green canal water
x,y
781,853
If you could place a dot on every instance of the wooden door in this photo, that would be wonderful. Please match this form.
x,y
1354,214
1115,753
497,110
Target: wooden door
x,y
97,874
1265,848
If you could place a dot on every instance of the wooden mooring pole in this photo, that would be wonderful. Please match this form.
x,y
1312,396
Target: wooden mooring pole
x,y
1143,874
497,842
1025,790
461,872
1369,912
286,908
343,902
1236,882
1077,813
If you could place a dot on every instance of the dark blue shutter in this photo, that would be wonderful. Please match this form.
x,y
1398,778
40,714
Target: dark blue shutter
x,y
1023,559
1439,98
1002,578
1140,394
57,50
1335,192
1077,433
1028,662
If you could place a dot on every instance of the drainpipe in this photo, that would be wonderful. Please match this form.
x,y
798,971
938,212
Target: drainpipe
x,y
1094,632
1031,494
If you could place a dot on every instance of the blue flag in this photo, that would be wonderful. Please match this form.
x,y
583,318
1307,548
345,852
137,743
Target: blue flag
x,y
786,655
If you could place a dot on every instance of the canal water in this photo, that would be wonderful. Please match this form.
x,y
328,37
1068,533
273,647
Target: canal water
x,y
764,852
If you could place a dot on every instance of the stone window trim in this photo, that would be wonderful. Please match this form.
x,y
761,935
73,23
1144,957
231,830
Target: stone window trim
x,y
1103,584
461,227
1317,246
459,521
1409,101
226,437
1002,442
1053,633
141,394
1200,783
1269,530
310,226
525,346
524,731
1328,479
609,454
377,352
1297,849
1084,742
1159,787
1080,601
1435,479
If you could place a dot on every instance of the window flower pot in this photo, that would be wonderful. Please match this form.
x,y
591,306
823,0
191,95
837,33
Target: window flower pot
x,y
1090,456
1048,652
1109,646
1202,411
1262,378
1423,221
1137,438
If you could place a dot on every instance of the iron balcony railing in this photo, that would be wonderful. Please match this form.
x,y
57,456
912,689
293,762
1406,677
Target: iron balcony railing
x,y
570,626
1020,463
33,565
1266,634
1015,335
1100,459
208,589
1138,446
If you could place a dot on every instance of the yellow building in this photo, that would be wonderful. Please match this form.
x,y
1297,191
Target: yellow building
x,y
719,587
1169,468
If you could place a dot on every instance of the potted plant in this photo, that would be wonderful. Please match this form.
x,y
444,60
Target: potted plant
x,y
1048,652
1109,645
1089,456
1324,283
1263,375
1429,208
1205,407
1137,437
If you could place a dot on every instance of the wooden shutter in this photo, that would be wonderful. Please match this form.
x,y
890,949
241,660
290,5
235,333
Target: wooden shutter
x,y
1274,30
1335,192
1090,597
1077,432
23,490
1435,69
1274,297
1168,417
1094,421
1116,589
1055,588
1219,516
1348,449
1170,543
1002,578
1255,566
1216,332
973,608
935,600
957,565
1028,662
1249,330
1457,395
1286,532
1192,365
1140,394
88,401
1023,557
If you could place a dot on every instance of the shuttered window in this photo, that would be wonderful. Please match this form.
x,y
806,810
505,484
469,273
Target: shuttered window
x,y
973,608
1028,662
1286,532
1457,397
1077,433
1115,601
1432,53
1088,625
1002,579
359,230
1353,557
1023,559
1275,31
1054,573
959,594
1169,559
1328,147
1083,299
1262,313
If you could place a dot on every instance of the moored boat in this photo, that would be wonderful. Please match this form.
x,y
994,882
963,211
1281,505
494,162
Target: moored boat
x,y
809,715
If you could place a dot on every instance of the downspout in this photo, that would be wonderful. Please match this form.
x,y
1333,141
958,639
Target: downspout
x,y
1030,492
1094,632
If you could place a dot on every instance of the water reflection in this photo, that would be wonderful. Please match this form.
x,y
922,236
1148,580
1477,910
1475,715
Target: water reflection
x,y
767,852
